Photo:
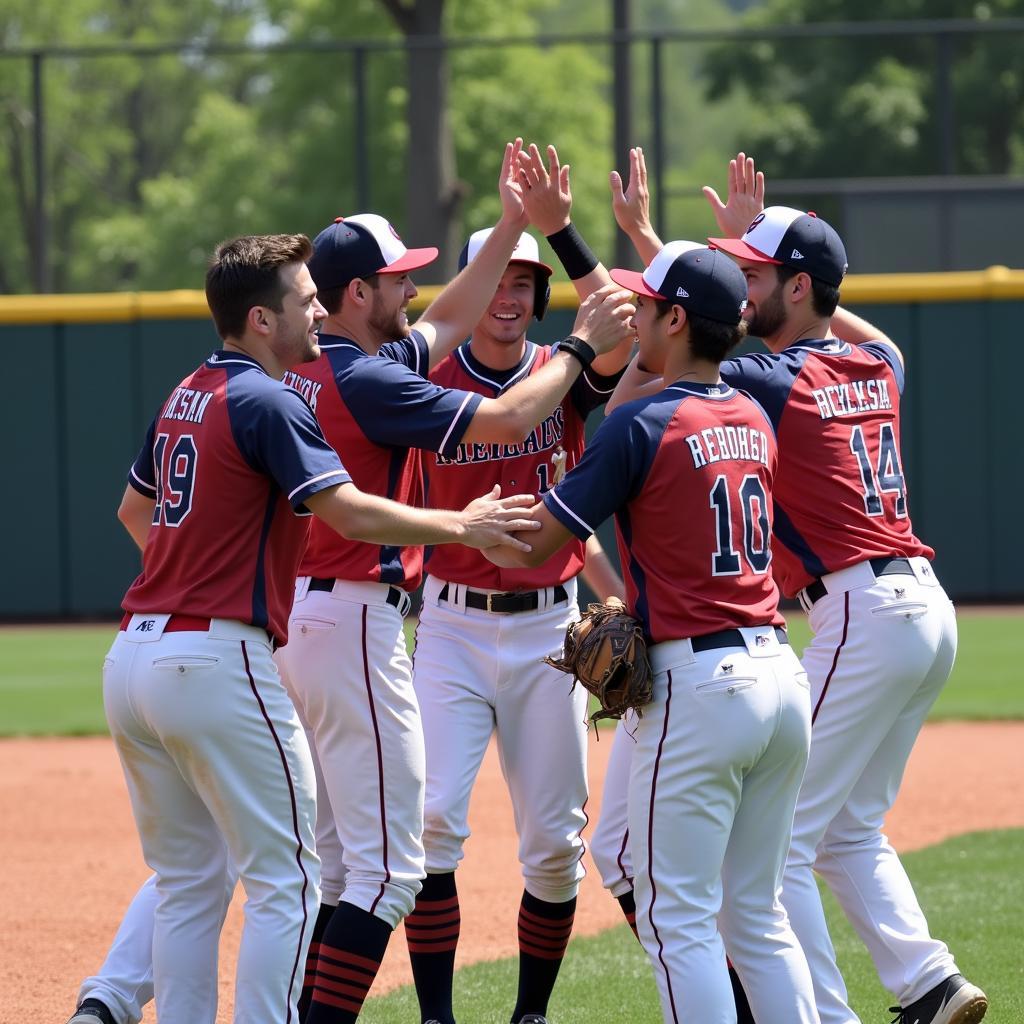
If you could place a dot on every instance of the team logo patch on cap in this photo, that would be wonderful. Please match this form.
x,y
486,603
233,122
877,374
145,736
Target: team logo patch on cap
x,y
753,224
797,255
682,293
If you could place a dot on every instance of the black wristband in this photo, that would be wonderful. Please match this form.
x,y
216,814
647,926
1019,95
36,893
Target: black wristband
x,y
573,253
579,348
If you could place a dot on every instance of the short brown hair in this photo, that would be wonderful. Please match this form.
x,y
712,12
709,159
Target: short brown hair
x,y
245,272
709,339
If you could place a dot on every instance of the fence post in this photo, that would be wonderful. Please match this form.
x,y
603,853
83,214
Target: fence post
x,y
621,63
361,149
658,132
41,269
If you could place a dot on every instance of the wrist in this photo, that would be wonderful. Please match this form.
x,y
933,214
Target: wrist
x,y
572,251
579,349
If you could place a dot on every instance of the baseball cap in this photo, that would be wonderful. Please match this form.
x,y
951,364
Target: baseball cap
x,y
526,250
699,279
782,235
360,246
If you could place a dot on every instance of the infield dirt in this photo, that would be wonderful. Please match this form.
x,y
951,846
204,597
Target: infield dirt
x,y
71,858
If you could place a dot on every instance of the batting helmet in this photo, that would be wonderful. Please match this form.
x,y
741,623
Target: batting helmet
x,y
526,251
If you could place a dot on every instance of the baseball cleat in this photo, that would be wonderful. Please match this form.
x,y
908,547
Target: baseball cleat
x,y
92,1011
953,1001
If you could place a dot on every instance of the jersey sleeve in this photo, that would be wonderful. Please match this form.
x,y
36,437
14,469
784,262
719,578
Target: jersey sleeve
x,y
411,351
283,439
591,390
142,475
892,360
394,406
609,474
766,378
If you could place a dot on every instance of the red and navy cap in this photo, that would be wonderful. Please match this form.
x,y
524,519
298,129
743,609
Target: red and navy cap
x,y
361,246
789,237
702,281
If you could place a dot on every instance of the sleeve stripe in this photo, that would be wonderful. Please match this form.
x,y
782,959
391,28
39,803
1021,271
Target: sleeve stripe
x,y
455,420
142,484
554,496
344,478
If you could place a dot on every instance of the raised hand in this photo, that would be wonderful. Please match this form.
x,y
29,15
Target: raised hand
x,y
510,189
632,205
491,520
605,319
546,191
745,199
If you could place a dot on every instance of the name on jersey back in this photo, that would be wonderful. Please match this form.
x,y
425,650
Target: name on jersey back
x,y
187,404
853,398
714,444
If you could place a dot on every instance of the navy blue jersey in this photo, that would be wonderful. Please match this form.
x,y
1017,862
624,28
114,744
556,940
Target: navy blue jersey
x,y
840,496
687,473
229,460
378,411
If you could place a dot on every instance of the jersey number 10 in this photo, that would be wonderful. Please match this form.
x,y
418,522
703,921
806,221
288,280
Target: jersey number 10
x,y
756,539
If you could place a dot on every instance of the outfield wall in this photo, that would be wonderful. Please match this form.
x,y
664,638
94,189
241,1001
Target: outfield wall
x,y
91,370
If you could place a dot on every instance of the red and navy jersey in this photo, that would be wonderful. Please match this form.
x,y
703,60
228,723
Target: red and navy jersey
x,y
688,475
229,460
377,411
840,496
455,478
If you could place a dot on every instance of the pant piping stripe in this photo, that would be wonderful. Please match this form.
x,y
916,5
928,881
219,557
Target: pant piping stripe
x,y
650,856
835,658
295,826
380,769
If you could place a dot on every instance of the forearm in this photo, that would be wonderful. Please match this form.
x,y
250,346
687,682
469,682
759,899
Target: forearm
x,y
634,383
375,520
136,516
457,309
646,242
599,573
854,329
583,268
509,418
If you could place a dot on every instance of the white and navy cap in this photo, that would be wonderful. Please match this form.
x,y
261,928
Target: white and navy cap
x,y
361,246
687,274
526,251
789,237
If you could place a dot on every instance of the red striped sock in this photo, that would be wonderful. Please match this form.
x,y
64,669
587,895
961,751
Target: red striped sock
x,y
347,961
544,930
322,920
432,933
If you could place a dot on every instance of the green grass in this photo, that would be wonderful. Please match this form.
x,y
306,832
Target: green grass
x,y
51,678
607,979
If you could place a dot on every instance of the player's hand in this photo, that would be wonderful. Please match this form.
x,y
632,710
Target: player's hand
x,y
632,205
491,520
513,211
605,319
745,200
546,190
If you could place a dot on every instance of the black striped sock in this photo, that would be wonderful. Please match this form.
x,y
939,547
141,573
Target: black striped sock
x,y
432,932
322,918
350,953
628,904
544,930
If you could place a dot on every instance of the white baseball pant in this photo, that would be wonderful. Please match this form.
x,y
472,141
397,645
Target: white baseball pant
x,y
881,653
718,761
219,775
347,669
478,673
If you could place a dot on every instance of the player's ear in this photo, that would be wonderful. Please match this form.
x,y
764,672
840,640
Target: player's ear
x,y
258,319
800,287
676,320
358,291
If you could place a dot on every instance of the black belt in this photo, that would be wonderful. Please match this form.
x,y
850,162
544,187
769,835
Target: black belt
x,y
396,597
516,601
879,566
729,638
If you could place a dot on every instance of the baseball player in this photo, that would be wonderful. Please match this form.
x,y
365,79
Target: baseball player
x,y
216,763
884,631
346,667
720,751
483,633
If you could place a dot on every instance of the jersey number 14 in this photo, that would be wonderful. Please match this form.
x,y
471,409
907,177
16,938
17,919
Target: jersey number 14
x,y
886,476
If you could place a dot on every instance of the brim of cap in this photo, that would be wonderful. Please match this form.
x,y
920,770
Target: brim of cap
x,y
634,281
535,263
740,249
412,260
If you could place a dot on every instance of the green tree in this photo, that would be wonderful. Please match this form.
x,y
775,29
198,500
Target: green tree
x,y
870,106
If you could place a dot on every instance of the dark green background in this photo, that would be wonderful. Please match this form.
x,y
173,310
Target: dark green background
x,y
75,412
